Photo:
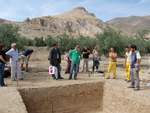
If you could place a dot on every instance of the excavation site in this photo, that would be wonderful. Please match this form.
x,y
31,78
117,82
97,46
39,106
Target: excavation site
x,y
95,97
90,93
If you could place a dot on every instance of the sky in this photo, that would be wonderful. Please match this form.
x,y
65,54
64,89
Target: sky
x,y
19,10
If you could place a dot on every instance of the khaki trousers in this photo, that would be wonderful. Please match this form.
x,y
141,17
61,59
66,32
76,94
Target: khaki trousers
x,y
85,60
135,80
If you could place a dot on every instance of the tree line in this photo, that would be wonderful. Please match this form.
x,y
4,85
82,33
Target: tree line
x,y
109,38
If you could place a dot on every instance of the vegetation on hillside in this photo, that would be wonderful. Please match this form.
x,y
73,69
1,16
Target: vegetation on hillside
x,y
112,38
109,38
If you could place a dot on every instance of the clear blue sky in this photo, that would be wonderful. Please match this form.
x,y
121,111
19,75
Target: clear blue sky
x,y
19,10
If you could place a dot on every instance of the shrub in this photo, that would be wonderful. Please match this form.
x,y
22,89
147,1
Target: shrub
x,y
9,35
50,40
38,42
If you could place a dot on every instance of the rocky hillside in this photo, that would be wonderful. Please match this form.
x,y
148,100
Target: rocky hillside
x,y
75,21
130,24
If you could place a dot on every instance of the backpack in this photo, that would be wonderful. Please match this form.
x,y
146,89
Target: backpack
x,y
137,67
49,55
7,72
99,56
65,57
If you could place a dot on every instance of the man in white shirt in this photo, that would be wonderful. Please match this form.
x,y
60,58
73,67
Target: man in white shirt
x,y
127,63
136,60
13,55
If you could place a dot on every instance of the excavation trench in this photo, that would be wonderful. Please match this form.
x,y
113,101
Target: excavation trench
x,y
98,97
77,98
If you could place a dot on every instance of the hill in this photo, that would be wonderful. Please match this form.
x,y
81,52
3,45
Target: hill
x,y
130,24
75,21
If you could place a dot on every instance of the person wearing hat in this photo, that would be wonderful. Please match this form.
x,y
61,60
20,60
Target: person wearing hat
x,y
95,59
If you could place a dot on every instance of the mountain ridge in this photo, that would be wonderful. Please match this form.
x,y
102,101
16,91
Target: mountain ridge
x,y
77,21
130,24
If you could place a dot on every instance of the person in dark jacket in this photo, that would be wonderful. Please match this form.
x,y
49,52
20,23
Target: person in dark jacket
x,y
55,60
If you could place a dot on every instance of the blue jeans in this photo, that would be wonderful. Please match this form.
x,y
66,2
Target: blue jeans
x,y
94,65
78,66
58,71
73,65
2,65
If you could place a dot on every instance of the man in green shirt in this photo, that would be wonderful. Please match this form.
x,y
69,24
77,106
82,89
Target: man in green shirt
x,y
74,61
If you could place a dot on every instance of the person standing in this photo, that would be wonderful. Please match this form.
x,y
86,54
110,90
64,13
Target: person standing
x,y
25,57
2,64
127,63
55,60
74,62
79,60
112,63
13,55
95,58
86,53
136,60
68,61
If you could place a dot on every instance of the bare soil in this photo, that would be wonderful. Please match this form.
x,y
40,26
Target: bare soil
x,y
39,93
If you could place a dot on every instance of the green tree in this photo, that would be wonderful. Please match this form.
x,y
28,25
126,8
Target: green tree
x,y
39,42
141,34
9,34
50,40
110,38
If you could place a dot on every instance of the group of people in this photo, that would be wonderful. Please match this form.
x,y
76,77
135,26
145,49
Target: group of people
x,y
132,61
131,64
15,68
73,58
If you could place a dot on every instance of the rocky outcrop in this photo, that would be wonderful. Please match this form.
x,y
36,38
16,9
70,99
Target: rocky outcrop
x,y
75,21
26,20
